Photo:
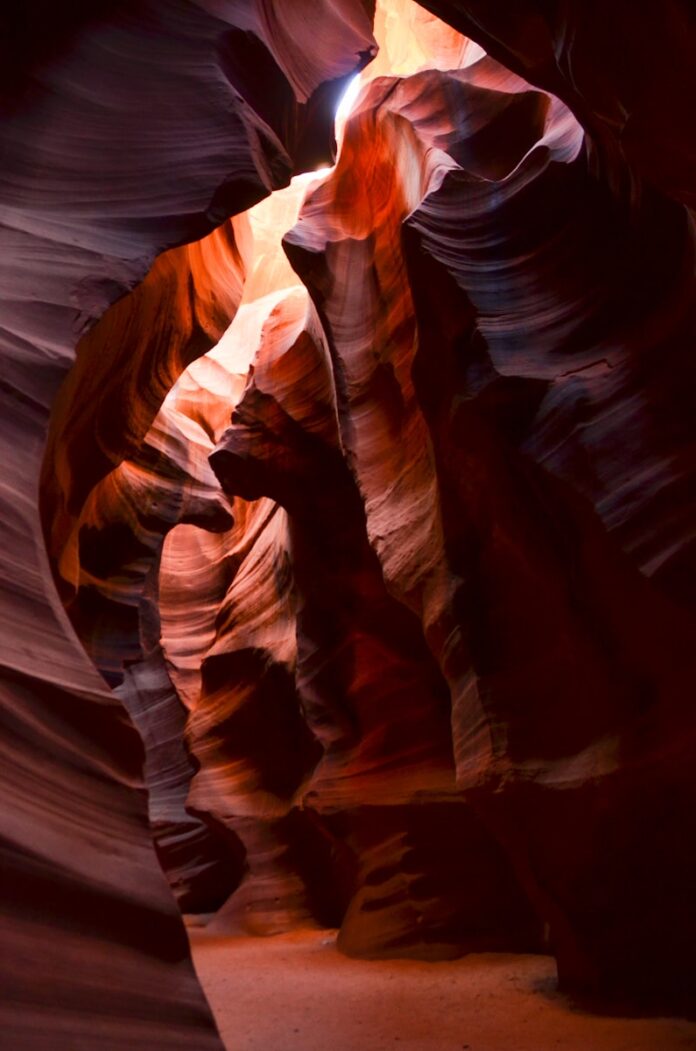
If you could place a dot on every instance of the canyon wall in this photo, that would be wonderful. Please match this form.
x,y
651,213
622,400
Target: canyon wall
x,y
127,128
383,536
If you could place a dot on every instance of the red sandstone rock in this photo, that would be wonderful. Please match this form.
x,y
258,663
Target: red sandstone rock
x,y
565,651
124,136
626,73
411,655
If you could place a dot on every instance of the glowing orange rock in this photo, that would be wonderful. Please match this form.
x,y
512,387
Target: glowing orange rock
x,y
123,135
393,533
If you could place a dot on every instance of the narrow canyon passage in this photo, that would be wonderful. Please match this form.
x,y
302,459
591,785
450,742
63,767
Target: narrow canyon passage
x,y
347,527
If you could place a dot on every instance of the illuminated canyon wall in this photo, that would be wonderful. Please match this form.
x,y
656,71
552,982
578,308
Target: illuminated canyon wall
x,y
371,503
127,128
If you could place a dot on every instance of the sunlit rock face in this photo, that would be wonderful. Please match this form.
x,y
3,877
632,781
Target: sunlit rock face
x,y
524,465
127,129
596,59
371,503
486,382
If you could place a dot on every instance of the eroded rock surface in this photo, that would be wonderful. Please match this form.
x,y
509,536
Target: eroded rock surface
x,y
383,537
128,128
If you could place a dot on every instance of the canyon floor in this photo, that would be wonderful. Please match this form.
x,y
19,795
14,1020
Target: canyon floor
x,y
296,992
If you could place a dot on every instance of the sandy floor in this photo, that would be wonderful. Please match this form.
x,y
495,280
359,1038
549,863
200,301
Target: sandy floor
x,y
297,993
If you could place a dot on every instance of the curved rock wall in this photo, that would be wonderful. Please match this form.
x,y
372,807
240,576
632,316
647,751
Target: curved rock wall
x,y
385,543
123,135
626,72
524,465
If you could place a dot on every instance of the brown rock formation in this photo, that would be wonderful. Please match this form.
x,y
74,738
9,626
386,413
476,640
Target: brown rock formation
x,y
625,72
384,541
492,485
125,134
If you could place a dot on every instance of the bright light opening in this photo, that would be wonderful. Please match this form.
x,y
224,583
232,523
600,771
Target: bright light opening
x,y
348,99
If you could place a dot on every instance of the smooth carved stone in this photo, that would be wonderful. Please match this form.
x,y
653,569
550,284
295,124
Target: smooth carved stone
x,y
299,876
113,558
203,860
248,723
366,683
245,729
638,122
411,654
431,884
616,747
348,626
123,137
563,659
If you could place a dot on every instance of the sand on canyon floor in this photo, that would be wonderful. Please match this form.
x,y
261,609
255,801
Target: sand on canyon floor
x,y
296,992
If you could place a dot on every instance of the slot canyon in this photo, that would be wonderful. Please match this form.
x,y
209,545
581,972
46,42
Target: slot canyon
x,y
348,525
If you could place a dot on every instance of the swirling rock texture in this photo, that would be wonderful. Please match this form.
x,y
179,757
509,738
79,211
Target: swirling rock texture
x,y
504,411
383,538
638,119
128,128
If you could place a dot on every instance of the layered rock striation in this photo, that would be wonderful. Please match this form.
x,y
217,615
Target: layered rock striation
x,y
504,411
129,129
384,536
